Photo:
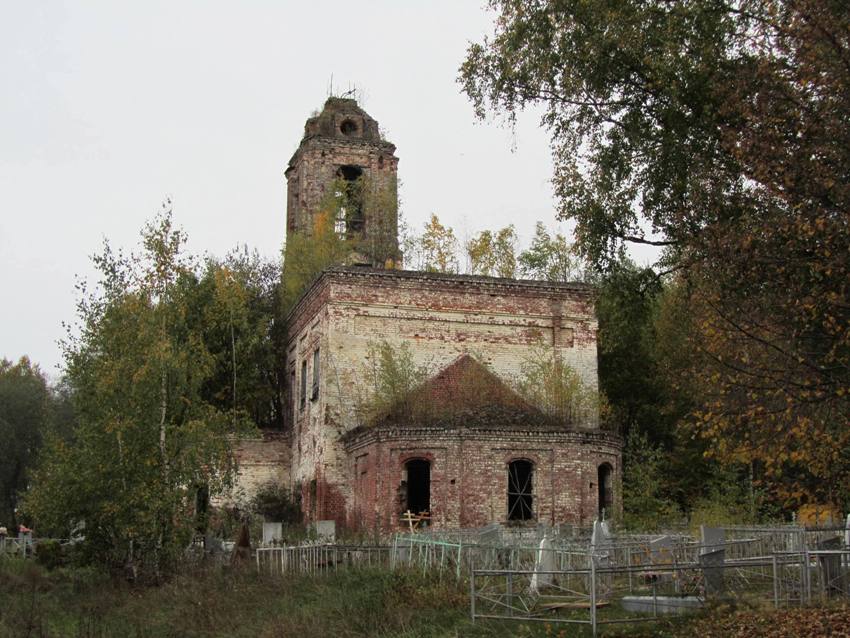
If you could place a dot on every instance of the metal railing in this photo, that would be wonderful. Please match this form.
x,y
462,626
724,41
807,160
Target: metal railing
x,y
602,594
316,559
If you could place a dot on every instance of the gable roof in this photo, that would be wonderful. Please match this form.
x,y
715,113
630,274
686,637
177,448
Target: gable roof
x,y
467,393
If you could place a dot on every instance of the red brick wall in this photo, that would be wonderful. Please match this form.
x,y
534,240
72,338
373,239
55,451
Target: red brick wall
x,y
469,474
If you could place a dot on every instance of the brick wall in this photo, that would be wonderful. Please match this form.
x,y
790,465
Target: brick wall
x,y
500,322
261,460
469,474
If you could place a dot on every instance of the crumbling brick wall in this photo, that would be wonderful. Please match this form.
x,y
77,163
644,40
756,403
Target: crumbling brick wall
x,y
261,460
469,474
442,317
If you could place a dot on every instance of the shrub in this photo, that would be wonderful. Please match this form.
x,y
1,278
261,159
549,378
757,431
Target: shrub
x,y
273,503
49,554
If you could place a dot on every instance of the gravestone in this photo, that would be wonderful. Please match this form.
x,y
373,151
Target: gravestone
x,y
712,571
272,533
847,541
546,561
600,543
661,550
326,531
712,538
835,581
241,554
712,557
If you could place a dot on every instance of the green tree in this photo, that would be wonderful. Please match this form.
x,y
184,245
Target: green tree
x,y
435,250
25,407
239,301
553,386
146,439
646,503
718,132
628,370
493,254
549,258
391,375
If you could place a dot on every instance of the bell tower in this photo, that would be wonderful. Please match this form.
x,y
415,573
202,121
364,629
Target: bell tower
x,y
342,150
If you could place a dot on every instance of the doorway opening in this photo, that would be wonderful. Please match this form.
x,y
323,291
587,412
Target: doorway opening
x,y
418,485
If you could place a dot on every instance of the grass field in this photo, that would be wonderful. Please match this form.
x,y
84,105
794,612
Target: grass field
x,y
82,603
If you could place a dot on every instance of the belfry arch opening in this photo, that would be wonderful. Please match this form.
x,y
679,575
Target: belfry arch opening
x,y
351,219
418,477
605,475
520,496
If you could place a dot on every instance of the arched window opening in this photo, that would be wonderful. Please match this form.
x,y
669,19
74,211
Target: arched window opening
x,y
350,220
417,481
348,127
520,497
605,475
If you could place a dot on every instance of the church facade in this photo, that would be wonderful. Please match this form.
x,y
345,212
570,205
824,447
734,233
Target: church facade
x,y
464,449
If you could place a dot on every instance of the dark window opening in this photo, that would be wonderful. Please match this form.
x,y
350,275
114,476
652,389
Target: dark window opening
x,y
351,221
291,397
302,399
418,486
348,127
520,497
606,490
202,506
315,393
314,492
350,173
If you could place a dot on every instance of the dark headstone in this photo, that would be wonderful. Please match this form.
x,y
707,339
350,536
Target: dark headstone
x,y
712,569
834,579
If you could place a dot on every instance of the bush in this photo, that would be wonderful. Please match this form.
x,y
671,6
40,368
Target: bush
x,y
49,554
273,503
646,506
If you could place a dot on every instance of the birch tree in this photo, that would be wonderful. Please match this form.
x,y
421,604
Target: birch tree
x,y
146,440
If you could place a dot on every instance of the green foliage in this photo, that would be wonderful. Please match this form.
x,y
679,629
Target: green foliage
x,y
274,503
391,374
210,602
25,410
551,385
435,250
717,132
631,98
357,220
646,506
382,211
550,258
372,603
49,554
146,436
238,304
493,254
628,374
307,254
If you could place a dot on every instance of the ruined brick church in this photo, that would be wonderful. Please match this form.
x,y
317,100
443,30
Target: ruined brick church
x,y
480,453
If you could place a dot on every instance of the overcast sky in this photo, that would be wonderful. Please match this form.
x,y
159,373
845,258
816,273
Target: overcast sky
x,y
108,107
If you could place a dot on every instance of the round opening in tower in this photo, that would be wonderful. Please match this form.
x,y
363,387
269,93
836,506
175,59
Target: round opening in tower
x,y
348,127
